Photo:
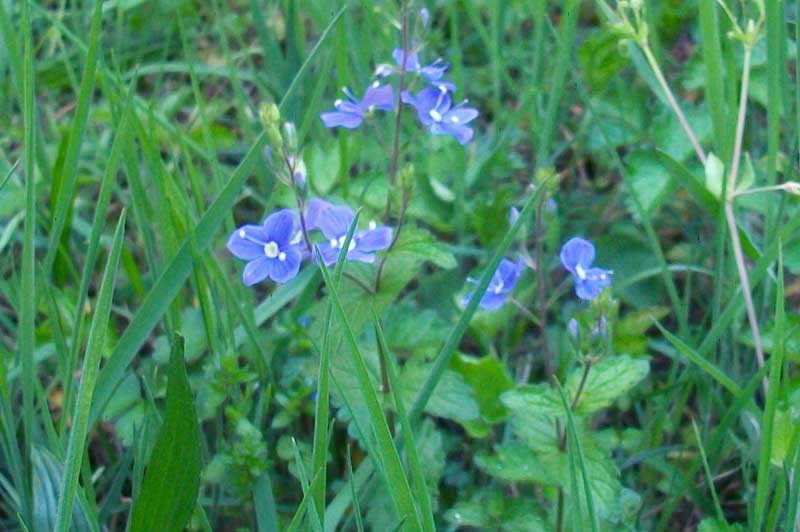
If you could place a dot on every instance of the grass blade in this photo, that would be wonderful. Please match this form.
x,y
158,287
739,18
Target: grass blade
x,y
91,365
450,346
707,470
417,476
773,395
27,339
69,172
398,485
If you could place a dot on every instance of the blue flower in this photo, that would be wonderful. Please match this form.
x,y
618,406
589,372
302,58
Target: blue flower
x,y
503,282
271,250
435,110
432,72
334,221
349,114
577,256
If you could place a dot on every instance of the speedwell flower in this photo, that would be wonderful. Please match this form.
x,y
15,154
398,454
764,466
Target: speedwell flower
x,y
577,256
350,113
334,221
271,250
435,110
503,282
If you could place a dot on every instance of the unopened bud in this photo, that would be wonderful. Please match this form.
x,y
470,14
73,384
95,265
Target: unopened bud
x,y
792,187
269,115
290,136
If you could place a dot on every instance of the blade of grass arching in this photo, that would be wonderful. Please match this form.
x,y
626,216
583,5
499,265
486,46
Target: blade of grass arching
x,y
69,171
417,475
773,395
398,485
715,84
98,221
26,331
454,339
709,476
566,37
319,458
713,371
353,494
91,365
273,57
575,443
301,470
777,503
169,283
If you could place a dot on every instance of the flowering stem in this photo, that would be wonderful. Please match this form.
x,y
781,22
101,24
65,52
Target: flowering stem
x,y
540,279
731,219
397,119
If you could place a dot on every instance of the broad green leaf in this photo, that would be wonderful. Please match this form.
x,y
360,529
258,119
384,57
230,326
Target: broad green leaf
x,y
419,243
715,525
172,480
539,398
489,379
516,462
608,380
649,179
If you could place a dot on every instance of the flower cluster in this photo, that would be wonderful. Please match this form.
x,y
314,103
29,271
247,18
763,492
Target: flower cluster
x,y
503,282
433,103
276,249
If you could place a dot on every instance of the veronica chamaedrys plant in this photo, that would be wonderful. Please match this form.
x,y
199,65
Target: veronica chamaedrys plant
x,y
577,256
350,113
334,222
503,283
432,73
435,111
272,250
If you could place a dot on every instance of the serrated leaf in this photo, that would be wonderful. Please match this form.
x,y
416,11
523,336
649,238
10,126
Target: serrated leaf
x,y
172,480
608,380
489,379
418,242
539,398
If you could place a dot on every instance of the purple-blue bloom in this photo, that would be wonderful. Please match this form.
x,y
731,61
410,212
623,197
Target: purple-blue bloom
x,y
435,110
350,113
334,221
271,250
503,282
432,72
577,256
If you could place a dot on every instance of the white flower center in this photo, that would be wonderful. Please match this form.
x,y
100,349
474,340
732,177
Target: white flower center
x,y
435,115
296,238
341,240
375,84
499,287
580,271
372,225
337,103
454,119
281,256
371,108
271,250
242,234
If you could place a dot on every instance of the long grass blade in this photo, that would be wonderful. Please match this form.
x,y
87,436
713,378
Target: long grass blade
x,y
91,366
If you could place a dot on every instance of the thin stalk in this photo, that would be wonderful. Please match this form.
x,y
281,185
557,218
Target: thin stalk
x,y
399,114
541,288
731,219
651,59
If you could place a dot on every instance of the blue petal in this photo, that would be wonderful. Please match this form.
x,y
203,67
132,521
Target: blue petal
x,y
491,301
379,97
373,239
256,271
247,247
329,253
279,227
577,252
282,271
595,282
333,220
341,119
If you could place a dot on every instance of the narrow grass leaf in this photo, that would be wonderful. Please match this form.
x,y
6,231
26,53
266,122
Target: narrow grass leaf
x,y
398,485
91,365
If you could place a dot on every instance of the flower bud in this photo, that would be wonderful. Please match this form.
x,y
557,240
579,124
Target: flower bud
x,y
290,136
269,115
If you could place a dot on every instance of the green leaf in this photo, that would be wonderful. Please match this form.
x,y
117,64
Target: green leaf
x,y
172,480
715,525
538,398
516,462
649,179
488,378
608,380
417,242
